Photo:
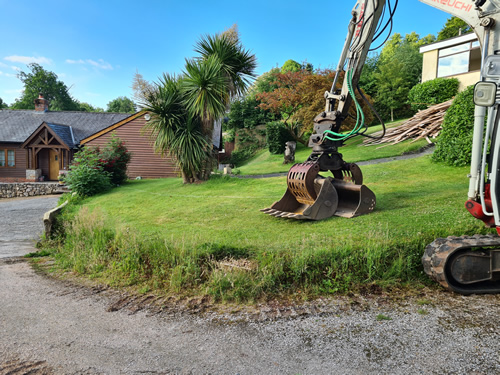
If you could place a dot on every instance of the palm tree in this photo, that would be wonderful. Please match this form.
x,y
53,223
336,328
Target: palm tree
x,y
184,108
237,65
205,90
175,130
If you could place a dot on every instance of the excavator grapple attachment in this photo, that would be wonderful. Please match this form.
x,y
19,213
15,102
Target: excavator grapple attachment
x,y
354,200
310,196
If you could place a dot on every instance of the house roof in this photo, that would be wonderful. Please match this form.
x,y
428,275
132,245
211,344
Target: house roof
x,y
448,42
17,125
65,133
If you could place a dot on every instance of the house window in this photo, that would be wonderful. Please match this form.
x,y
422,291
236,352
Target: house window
x,y
462,58
7,158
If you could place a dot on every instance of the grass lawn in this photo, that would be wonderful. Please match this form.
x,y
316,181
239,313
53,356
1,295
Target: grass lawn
x,y
175,237
264,162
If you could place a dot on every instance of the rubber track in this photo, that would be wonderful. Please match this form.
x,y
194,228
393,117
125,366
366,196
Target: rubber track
x,y
437,253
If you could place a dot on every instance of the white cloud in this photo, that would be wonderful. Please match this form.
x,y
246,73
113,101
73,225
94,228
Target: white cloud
x,y
13,91
69,61
7,74
28,59
100,64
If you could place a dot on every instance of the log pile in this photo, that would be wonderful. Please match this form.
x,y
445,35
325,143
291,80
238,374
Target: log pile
x,y
425,124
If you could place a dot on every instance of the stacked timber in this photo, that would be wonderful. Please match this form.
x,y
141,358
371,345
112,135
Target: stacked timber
x,y
425,124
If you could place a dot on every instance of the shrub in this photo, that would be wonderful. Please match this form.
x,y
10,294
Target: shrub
x,y
239,157
432,92
114,159
276,136
86,174
454,145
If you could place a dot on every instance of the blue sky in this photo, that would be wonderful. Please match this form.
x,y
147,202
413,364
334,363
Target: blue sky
x,y
96,46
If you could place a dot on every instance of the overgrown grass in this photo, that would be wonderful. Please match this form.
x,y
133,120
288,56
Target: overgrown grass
x,y
354,151
211,239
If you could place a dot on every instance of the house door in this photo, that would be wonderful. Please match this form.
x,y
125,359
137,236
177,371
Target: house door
x,y
53,165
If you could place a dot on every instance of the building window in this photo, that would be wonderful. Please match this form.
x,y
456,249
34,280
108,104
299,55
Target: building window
x,y
7,158
459,59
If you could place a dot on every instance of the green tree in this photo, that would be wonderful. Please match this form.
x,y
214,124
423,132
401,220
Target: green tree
x,y
3,104
265,82
392,74
392,91
291,66
86,107
367,80
122,104
454,26
40,81
246,113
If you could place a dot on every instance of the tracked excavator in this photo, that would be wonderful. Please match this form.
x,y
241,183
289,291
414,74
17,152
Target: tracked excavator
x,y
466,264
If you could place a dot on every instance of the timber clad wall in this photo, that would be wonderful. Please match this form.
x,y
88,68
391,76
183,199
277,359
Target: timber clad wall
x,y
17,173
144,162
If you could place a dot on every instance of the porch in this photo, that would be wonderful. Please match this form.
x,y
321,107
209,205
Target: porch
x,y
49,152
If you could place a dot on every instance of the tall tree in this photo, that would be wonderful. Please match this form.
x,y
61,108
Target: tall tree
x,y
175,130
141,88
454,26
184,109
122,104
390,76
3,104
40,81
300,97
285,100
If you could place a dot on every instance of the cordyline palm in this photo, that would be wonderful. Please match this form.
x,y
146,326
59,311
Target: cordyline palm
x,y
223,70
205,91
184,109
175,130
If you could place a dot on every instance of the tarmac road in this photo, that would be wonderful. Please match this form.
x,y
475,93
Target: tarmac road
x,y
21,223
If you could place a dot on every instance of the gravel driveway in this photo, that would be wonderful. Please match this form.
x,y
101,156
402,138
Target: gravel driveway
x,y
21,223
51,326
54,327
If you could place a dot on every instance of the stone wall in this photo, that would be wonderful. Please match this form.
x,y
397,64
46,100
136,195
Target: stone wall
x,y
28,189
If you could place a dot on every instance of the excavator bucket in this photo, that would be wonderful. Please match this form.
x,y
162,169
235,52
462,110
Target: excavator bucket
x,y
313,197
354,200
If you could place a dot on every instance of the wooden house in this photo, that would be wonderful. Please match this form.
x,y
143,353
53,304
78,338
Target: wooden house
x,y
39,144
145,162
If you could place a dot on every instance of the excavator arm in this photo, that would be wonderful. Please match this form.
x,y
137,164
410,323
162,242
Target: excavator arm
x,y
462,264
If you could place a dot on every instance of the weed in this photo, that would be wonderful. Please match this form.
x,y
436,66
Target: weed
x,y
381,317
423,302
39,254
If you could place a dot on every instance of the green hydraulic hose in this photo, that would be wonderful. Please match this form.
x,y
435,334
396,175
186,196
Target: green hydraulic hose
x,y
359,114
